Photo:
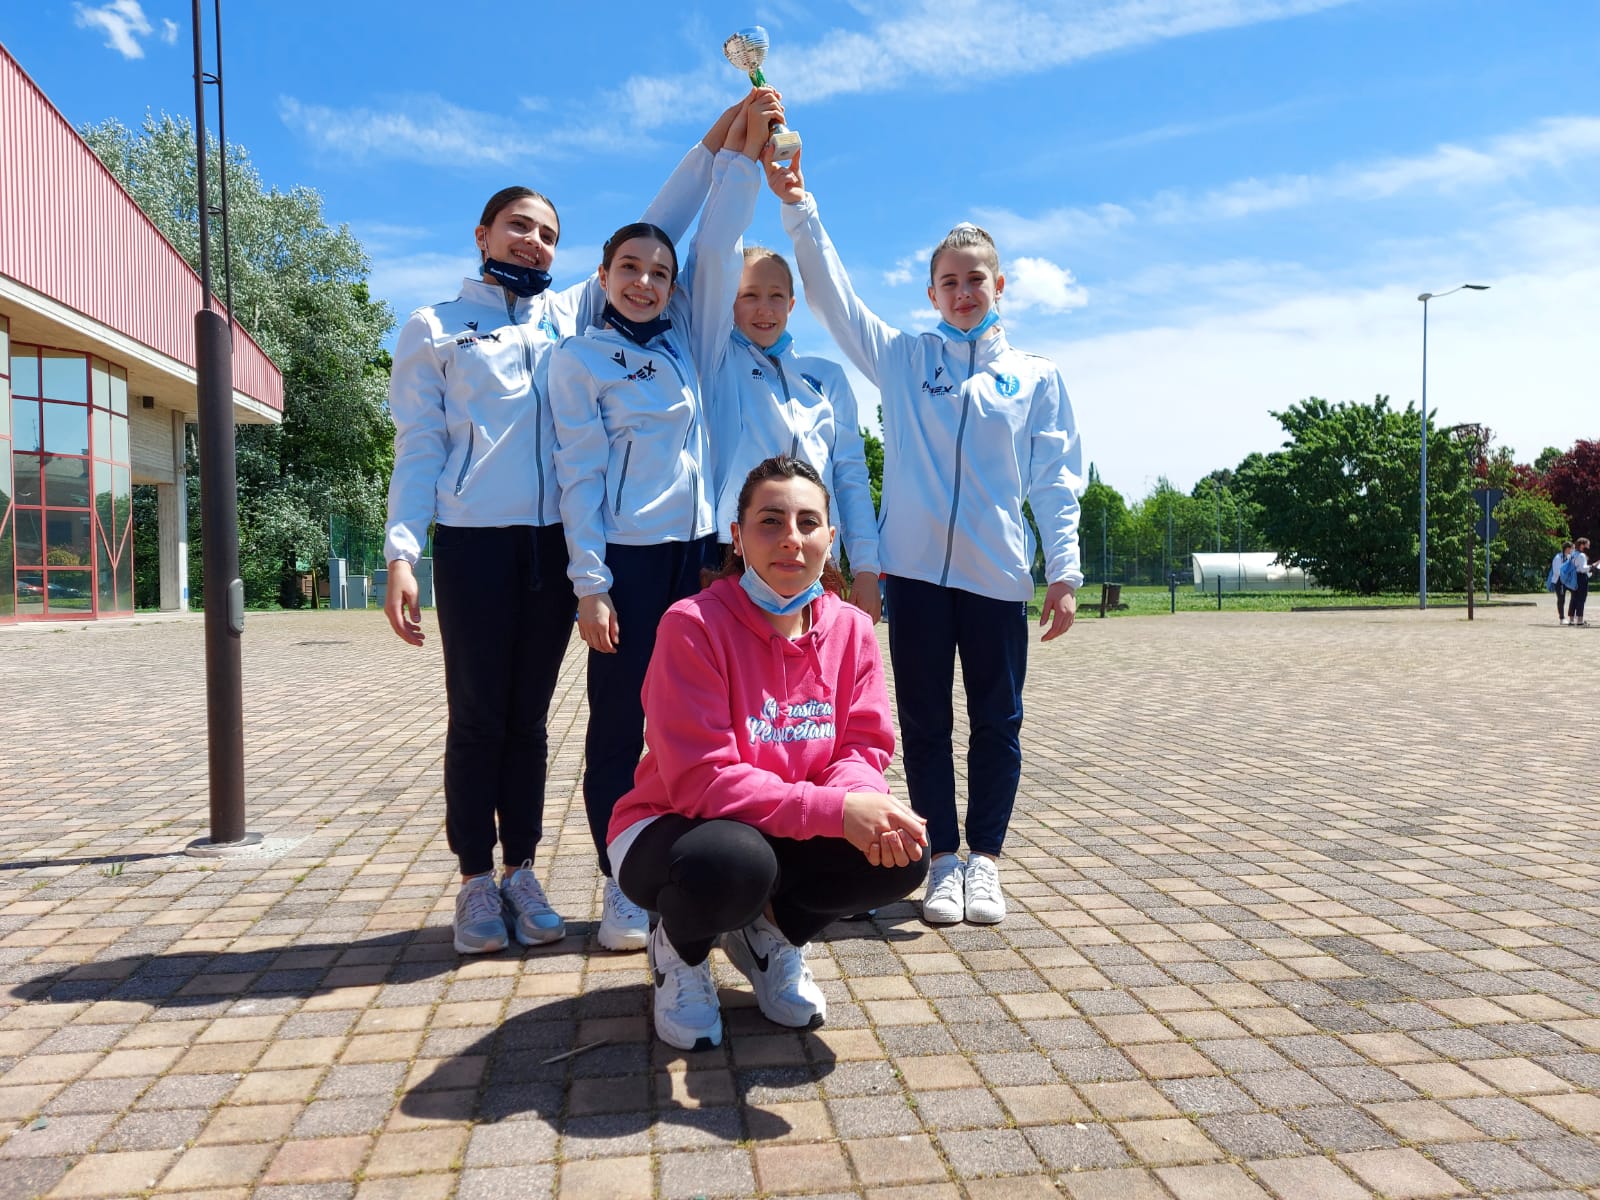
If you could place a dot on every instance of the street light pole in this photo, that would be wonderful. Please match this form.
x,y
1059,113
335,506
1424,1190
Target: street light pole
x,y
1422,538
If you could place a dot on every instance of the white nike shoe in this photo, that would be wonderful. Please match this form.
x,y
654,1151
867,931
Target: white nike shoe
x,y
685,1005
623,924
785,988
944,900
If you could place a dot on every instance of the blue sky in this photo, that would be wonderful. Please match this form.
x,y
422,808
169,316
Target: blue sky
x,y
1207,209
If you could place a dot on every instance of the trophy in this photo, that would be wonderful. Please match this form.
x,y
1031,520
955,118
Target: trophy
x,y
747,50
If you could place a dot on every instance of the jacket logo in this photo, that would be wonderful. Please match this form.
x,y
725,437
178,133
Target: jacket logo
x,y
944,389
620,359
755,373
648,371
472,325
938,371
1008,385
549,328
472,339
816,384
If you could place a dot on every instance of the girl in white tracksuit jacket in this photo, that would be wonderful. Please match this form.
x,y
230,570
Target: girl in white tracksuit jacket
x,y
972,427
768,400
633,456
473,457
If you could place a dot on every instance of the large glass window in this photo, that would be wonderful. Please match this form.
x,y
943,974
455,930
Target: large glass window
x,y
8,523
66,545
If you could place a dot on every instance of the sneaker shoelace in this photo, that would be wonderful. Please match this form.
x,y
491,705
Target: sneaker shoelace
x,y
482,900
525,890
983,881
694,984
948,886
624,908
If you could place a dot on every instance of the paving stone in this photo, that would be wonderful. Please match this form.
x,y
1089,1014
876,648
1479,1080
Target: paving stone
x,y
1488,1166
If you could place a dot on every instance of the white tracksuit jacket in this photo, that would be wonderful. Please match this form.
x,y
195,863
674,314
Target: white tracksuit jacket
x,y
970,430
474,438
632,435
780,403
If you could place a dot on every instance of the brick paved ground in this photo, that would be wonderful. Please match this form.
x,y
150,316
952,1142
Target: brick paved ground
x,y
1302,906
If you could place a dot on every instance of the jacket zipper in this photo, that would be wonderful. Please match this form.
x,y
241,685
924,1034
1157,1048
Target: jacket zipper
x,y
788,404
538,422
694,472
955,494
616,507
466,463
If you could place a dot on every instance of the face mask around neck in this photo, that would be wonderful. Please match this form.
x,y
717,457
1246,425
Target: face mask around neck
x,y
637,332
516,278
767,600
991,318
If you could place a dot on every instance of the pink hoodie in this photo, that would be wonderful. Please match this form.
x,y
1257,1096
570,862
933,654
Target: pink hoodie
x,y
744,724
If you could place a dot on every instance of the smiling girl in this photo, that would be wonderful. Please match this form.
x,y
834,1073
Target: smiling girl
x,y
760,811
769,400
972,427
473,440
633,457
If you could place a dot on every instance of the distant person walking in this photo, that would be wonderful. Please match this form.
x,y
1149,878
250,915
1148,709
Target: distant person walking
x,y
1576,576
1558,585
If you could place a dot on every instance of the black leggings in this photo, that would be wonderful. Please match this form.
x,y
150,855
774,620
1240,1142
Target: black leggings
x,y
1561,601
505,610
708,877
1580,593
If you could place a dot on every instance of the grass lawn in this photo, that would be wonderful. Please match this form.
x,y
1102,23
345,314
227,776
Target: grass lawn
x,y
1150,601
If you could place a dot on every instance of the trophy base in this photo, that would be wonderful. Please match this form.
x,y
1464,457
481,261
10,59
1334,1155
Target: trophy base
x,y
785,145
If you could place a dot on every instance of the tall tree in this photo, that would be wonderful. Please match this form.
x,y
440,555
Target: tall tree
x,y
299,287
1341,498
1573,481
1102,513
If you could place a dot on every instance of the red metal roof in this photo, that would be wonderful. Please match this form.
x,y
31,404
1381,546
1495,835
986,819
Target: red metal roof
x,y
53,193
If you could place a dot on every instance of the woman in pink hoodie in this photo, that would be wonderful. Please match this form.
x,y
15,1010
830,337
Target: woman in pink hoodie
x,y
760,812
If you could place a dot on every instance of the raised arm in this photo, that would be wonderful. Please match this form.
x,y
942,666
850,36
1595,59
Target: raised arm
x,y
673,209
867,341
717,253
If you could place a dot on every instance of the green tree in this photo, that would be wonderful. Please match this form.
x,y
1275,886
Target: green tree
x,y
873,445
1341,498
1102,514
299,287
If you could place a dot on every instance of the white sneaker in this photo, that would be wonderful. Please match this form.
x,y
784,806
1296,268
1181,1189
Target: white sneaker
x,y
480,923
685,998
623,924
944,900
986,903
785,988
533,921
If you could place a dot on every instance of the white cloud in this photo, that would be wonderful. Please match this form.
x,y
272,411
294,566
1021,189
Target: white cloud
x,y
1195,391
122,21
169,31
425,128
1555,142
1040,283
407,282
901,272
1059,228
954,42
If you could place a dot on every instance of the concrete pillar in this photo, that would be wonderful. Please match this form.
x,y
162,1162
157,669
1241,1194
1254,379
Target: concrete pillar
x,y
173,509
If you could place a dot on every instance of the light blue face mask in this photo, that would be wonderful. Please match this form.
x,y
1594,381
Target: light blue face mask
x,y
973,334
773,351
767,600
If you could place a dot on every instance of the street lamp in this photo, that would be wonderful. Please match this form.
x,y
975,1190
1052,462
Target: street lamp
x,y
1422,544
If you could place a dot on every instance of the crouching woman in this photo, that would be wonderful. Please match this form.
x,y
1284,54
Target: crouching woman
x,y
759,812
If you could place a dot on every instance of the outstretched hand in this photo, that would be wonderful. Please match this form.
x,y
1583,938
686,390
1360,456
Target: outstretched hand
x,y
765,111
786,182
